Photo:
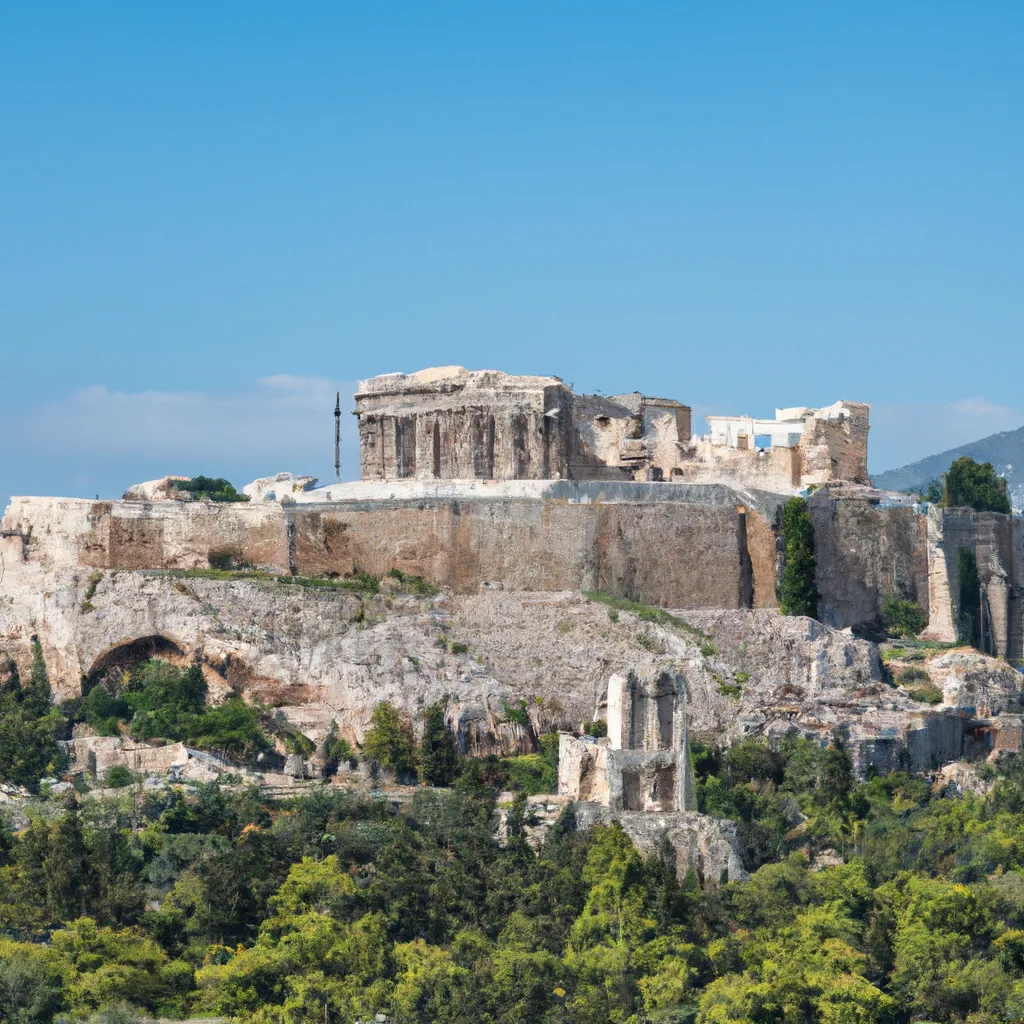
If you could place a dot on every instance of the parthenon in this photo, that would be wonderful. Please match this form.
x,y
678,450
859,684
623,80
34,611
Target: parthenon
x,y
449,423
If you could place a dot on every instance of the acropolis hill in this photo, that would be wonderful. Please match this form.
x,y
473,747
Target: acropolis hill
x,y
515,495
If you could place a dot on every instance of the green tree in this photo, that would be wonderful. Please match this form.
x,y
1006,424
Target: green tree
x,y
32,985
104,712
901,617
213,488
798,592
29,726
438,758
66,868
968,622
117,776
335,750
975,485
165,700
232,728
389,740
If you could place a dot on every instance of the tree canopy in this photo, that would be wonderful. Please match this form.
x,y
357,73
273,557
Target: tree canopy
x,y
975,485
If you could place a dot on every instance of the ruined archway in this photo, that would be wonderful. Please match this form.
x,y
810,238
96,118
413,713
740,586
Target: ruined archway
x,y
112,663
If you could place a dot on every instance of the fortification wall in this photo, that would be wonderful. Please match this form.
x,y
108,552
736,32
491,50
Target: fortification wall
x,y
864,553
680,554
997,543
67,532
674,545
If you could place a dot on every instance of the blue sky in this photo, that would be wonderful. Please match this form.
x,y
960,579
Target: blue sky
x,y
214,215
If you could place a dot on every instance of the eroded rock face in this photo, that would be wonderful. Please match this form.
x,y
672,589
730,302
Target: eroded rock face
x,y
154,490
709,846
973,681
327,655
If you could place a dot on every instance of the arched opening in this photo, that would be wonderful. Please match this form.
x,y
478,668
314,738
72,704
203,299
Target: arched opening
x,y
112,664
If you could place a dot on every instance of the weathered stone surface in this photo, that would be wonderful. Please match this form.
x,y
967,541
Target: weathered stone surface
x,y
709,846
154,490
451,423
975,682
865,552
280,487
691,552
960,778
997,543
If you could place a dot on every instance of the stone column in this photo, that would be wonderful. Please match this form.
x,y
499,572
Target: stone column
x,y
620,711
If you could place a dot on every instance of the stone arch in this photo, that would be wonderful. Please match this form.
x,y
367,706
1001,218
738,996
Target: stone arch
x,y
119,658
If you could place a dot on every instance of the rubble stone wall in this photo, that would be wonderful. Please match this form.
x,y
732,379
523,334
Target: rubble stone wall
x,y
865,553
997,543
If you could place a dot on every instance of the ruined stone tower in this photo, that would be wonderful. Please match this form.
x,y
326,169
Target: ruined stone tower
x,y
644,762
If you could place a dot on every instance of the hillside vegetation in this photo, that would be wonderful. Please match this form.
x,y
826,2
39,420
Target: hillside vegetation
x,y
873,902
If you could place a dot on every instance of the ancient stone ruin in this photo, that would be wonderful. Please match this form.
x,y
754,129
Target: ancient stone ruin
x,y
514,499
449,423
643,764
640,776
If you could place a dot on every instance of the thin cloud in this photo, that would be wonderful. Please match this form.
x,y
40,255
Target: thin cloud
x,y
281,416
100,440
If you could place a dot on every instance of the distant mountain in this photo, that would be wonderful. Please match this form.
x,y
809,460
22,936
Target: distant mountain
x,y
1005,451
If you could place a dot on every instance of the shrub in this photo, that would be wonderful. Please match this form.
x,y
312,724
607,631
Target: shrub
x,y
708,649
596,729
925,693
902,618
95,579
798,592
460,648
643,612
415,585
297,743
117,776
229,559
533,773
517,713
651,643
914,674
213,488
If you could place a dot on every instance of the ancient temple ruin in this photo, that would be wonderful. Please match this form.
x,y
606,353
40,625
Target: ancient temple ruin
x,y
449,423
643,764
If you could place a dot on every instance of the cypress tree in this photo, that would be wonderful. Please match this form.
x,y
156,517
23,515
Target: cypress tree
x,y
968,623
438,757
798,592
65,869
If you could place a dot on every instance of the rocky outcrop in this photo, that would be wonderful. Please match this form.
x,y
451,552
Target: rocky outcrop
x,y
709,846
156,490
281,487
975,682
325,655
